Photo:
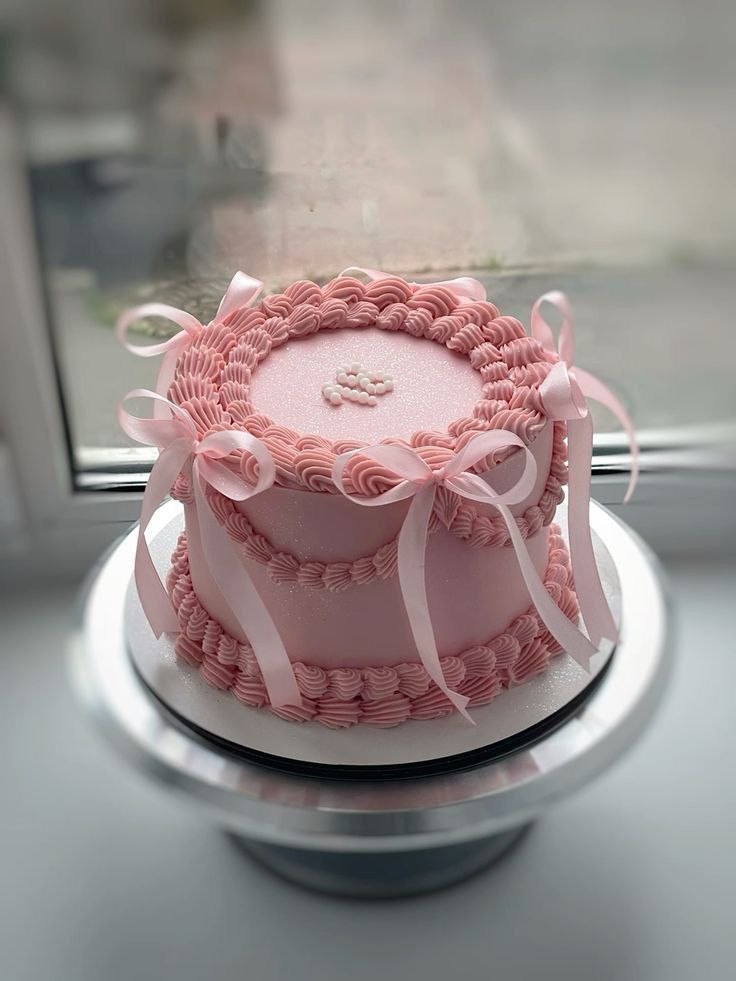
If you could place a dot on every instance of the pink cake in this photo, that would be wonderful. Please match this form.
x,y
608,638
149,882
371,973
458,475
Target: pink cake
x,y
302,584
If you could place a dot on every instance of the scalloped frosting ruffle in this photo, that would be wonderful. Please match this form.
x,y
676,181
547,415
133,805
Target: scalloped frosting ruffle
x,y
213,375
379,695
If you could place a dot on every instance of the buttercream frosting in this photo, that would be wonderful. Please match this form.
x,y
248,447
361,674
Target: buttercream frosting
x,y
379,695
214,374
215,383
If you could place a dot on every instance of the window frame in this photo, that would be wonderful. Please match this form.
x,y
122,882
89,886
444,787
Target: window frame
x,y
33,422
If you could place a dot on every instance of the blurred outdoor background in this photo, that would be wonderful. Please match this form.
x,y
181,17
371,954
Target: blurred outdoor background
x,y
582,145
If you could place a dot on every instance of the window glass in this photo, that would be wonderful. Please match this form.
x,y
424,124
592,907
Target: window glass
x,y
534,145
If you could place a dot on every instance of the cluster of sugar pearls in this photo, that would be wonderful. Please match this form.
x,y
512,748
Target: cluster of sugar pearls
x,y
355,384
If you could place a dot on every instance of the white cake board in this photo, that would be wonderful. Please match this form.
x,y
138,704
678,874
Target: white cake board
x,y
219,714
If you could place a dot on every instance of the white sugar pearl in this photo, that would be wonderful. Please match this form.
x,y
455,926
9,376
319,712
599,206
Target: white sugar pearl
x,y
372,376
380,388
342,377
343,368
363,397
356,368
336,398
363,382
352,381
370,388
328,389
387,377
389,385
372,400
354,395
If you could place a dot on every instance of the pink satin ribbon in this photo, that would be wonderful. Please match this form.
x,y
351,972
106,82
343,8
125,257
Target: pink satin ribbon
x,y
590,386
243,291
564,393
465,288
419,482
176,437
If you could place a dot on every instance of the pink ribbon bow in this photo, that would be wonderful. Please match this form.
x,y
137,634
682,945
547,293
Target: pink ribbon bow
x,y
465,288
176,437
419,482
563,393
242,292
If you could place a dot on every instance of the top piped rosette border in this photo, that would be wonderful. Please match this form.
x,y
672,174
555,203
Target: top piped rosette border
x,y
212,379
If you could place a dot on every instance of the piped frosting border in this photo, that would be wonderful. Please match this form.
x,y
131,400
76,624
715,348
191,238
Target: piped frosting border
x,y
213,375
379,695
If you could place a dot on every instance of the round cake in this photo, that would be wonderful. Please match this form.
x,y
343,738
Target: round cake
x,y
369,473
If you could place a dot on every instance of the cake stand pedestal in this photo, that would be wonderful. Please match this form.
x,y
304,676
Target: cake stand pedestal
x,y
369,837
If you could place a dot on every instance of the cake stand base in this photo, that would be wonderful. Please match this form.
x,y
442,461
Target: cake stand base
x,y
382,875
378,837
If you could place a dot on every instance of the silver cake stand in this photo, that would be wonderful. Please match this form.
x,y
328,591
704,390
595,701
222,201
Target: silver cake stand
x,y
379,837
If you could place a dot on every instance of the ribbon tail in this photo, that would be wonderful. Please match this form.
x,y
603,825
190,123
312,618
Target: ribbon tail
x,y
154,598
246,605
593,604
465,288
372,274
563,630
411,560
242,292
594,389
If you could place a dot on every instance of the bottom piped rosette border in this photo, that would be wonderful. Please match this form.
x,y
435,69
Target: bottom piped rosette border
x,y
384,695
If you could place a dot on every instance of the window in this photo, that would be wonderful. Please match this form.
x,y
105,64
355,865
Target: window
x,y
578,147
